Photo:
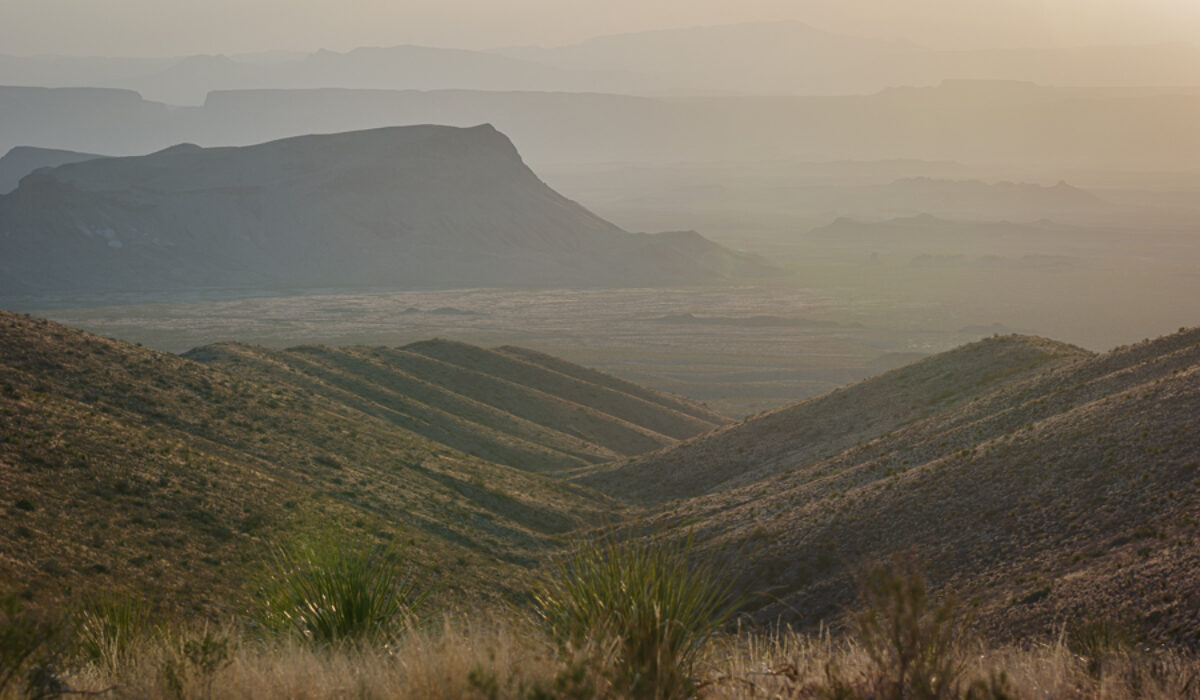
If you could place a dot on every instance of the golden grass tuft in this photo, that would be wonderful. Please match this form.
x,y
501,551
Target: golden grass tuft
x,y
458,657
792,665
501,656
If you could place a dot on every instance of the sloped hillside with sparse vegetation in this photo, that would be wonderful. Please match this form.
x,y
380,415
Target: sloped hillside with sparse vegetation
x,y
1052,492
1066,489
780,440
125,467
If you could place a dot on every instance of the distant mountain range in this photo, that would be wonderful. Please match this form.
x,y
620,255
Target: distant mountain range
x,y
766,58
756,321
420,206
968,122
985,200
925,230
186,80
991,203
794,58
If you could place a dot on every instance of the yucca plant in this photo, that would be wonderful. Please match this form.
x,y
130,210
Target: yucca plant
x,y
330,594
646,607
110,626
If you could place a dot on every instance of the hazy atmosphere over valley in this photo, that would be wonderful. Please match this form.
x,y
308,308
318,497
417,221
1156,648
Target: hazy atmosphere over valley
x,y
530,349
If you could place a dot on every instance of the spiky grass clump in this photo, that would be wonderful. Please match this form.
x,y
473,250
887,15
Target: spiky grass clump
x,y
330,594
110,627
642,609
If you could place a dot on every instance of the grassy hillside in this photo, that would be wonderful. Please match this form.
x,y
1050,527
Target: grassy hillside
x,y
1062,487
554,364
1047,485
495,406
672,416
823,426
122,467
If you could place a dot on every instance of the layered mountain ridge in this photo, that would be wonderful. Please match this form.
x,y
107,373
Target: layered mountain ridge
x,y
757,57
1136,130
418,206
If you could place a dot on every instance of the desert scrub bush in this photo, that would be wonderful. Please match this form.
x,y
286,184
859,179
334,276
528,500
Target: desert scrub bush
x,y
1097,640
639,611
912,643
29,643
328,593
191,661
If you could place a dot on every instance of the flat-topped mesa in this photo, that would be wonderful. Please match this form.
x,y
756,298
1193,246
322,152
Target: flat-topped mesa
x,y
413,206
187,167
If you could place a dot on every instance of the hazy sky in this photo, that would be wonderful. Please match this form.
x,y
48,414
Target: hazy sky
x,y
174,27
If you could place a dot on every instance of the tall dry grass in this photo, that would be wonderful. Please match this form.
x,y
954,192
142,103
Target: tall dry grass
x,y
500,656
457,657
790,665
629,622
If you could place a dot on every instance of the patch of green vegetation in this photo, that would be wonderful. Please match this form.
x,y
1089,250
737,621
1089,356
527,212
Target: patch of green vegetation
x,y
330,592
110,627
641,609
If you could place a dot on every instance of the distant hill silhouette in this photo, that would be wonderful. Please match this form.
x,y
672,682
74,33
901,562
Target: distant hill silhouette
x,y
420,206
987,199
928,230
22,160
791,57
763,58
404,67
968,122
749,321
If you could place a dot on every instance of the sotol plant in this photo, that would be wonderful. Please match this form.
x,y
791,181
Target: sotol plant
x,y
328,594
111,627
642,608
